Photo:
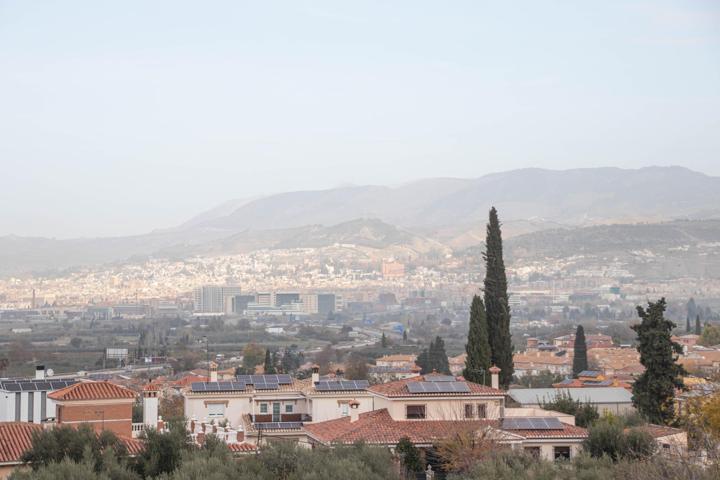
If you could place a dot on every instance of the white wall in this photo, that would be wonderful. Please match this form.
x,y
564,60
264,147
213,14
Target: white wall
x,y
328,408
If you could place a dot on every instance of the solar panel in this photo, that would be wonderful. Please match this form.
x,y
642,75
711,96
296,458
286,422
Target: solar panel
x,y
28,386
282,379
217,386
266,386
11,387
520,423
438,387
439,378
341,385
278,425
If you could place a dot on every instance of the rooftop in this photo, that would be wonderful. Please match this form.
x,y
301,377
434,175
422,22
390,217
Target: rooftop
x,y
92,391
399,388
533,396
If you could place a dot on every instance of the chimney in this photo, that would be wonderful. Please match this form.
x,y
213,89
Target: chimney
x,y
315,374
213,372
40,372
495,377
150,406
160,425
232,436
354,411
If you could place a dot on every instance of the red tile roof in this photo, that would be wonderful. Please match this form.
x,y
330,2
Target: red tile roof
x,y
658,431
378,427
15,438
399,389
92,391
243,447
568,431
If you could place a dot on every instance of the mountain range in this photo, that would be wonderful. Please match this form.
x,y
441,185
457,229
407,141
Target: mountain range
x,y
423,215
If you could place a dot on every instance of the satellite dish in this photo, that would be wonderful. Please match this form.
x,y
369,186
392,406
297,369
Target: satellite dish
x,y
50,372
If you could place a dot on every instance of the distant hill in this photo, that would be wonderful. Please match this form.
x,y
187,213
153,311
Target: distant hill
x,y
427,214
568,197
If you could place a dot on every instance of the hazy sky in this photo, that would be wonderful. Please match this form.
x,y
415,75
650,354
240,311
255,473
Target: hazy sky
x,y
120,117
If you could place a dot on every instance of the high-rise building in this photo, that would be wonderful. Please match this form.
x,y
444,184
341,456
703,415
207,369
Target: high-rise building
x,y
211,298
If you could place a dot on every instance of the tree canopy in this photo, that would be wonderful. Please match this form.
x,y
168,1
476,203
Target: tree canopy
x,y
477,347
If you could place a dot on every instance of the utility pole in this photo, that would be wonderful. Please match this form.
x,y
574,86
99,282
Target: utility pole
x,y
207,354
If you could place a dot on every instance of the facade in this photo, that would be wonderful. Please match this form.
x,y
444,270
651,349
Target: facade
x,y
102,405
211,298
430,408
27,400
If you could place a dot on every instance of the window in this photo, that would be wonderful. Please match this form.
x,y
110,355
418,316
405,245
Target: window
x,y
415,412
561,453
288,408
263,408
534,451
469,410
482,410
344,409
216,410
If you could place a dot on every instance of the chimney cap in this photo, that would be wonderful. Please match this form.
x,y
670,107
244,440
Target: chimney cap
x,y
354,404
494,369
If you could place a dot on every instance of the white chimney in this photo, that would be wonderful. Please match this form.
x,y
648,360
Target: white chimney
x,y
495,377
40,372
232,436
213,372
315,374
354,411
150,405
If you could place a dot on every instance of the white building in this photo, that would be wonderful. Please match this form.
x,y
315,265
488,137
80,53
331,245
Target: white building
x,y
26,400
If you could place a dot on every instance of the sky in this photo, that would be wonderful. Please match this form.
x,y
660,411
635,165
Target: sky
x,y
118,118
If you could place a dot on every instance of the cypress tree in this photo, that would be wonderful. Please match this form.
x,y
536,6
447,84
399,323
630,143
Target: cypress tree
x,y
496,302
580,362
654,390
423,359
698,327
383,341
438,356
268,367
688,329
478,346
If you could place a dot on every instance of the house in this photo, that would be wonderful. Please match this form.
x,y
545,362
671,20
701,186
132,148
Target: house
x,y
389,374
396,361
26,400
431,408
102,405
597,340
592,379
671,442
537,361
16,438
615,400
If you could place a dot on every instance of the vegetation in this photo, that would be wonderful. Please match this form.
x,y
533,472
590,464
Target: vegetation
x,y
609,438
410,456
496,302
544,379
584,413
434,358
580,361
478,346
710,336
654,390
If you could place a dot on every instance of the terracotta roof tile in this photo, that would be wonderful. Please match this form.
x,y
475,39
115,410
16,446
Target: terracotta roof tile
x,y
15,438
399,389
568,431
241,447
92,391
378,427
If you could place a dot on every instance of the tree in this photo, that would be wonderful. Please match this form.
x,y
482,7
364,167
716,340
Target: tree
x,y
609,438
691,313
584,413
356,367
163,451
477,348
580,361
405,335
710,336
654,390
496,302
76,444
324,357
384,341
698,327
438,358
410,456
269,366
253,355
76,342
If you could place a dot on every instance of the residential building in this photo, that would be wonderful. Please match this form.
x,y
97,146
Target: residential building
x,y
27,400
211,298
615,400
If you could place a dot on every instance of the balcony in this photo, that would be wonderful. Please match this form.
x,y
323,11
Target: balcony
x,y
280,417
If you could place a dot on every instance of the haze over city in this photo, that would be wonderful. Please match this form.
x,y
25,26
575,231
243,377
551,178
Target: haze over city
x,y
149,113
